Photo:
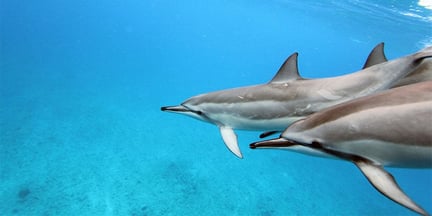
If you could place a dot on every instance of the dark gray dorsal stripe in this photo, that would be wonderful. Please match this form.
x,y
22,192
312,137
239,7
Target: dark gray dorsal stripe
x,y
422,92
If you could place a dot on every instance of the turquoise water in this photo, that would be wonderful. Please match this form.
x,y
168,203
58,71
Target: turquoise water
x,y
82,83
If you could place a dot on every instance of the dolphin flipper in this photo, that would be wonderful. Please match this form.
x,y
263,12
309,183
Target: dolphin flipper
x,y
230,139
386,184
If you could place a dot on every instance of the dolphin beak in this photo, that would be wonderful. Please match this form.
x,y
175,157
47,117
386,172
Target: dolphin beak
x,y
176,109
272,143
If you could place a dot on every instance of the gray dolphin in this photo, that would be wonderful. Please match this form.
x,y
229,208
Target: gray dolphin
x,y
392,128
289,97
422,73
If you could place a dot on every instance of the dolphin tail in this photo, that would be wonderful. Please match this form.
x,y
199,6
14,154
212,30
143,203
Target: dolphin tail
x,y
230,139
386,184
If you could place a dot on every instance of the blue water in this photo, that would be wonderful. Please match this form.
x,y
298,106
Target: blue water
x,y
82,83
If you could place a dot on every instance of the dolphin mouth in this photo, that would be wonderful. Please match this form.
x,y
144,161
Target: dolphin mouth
x,y
272,143
179,108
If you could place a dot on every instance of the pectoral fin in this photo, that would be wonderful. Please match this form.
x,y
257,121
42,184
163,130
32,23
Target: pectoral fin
x,y
385,183
230,139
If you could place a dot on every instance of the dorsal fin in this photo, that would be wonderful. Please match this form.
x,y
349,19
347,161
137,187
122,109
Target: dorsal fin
x,y
376,56
288,70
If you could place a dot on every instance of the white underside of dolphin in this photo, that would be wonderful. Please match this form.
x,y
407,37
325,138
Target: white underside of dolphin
x,y
289,97
392,128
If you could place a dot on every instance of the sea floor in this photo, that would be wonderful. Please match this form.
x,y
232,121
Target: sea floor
x,y
76,150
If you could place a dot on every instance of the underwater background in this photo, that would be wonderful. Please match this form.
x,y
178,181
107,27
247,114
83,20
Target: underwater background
x,y
82,83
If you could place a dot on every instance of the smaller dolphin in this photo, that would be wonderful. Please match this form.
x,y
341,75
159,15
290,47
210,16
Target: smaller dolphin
x,y
288,97
392,128
422,73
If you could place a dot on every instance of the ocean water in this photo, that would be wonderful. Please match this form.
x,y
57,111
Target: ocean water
x,y
82,83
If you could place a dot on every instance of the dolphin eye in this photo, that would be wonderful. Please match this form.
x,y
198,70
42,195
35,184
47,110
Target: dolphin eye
x,y
197,112
316,144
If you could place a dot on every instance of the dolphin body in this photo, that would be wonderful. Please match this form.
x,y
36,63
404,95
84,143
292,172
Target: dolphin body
x,y
392,128
288,97
421,74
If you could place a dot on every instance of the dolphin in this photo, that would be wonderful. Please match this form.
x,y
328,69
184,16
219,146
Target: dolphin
x,y
289,97
391,128
422,73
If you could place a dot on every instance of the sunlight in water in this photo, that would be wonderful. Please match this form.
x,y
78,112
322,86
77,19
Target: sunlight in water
x,y
426,4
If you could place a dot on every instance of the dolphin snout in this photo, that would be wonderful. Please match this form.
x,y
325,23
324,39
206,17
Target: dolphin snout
x,y
272,143
175,109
